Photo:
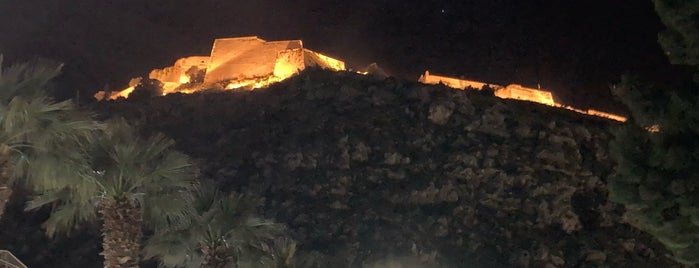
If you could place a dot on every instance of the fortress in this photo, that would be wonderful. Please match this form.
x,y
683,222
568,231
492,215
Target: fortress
x,y
237,62
251,62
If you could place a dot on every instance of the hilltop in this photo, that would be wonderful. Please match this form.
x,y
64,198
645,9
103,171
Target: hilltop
x,y
361,168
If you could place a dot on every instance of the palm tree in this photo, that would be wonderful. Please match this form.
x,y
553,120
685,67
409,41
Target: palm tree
x,y
223,231
31,122
121,179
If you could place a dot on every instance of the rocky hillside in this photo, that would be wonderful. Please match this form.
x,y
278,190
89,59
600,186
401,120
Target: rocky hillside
x,y
362,168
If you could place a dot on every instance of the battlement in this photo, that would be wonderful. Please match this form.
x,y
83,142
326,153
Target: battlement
x,y
512,91
519,92
428,78
241,62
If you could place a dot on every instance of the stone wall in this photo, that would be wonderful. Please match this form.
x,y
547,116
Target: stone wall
x,y
177,72
315,59
519,92
289,62
245,57
428,78
513,91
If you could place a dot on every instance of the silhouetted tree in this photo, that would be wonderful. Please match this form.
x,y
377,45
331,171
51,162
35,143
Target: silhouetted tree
x,y
32,123
222,231
657,176
123,180
681,38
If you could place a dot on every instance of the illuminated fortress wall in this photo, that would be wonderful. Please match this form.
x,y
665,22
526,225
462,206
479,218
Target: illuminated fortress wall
x,y
242,62
249,57
519,92
315,59
175,75
177,72
251,62
512,91
428,78
288,62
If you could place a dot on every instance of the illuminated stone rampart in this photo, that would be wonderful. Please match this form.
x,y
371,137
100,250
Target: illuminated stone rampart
x,y
512,91
428,78
519,92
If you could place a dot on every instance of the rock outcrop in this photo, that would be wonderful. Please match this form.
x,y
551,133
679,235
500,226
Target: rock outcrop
x,y
360,169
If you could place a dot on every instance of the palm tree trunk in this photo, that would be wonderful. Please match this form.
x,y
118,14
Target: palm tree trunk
x,y
6,173
216,256
121,233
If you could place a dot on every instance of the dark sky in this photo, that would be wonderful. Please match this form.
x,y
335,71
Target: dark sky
x,y
574,48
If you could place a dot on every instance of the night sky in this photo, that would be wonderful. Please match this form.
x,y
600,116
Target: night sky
x,y
574,48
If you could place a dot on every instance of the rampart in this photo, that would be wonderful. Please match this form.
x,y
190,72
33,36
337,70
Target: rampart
x,y
512,91
428,78
177,73
519,92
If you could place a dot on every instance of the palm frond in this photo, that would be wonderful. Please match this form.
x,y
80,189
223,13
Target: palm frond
x,y
72,197
222,219
58,169
175,167
135,164
45,198
252,233
280,253
66,216
48,141
27,78
32,123
159,144
168,210
121,164
204,195
172,249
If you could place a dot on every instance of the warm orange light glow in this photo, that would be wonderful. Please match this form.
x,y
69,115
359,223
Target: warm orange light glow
x,y
528,94
171,87
125,93
285,70
513,91
255,83
653,128
184,79
251,63
114,94
593,112
247,62
607,115
288,63
428,78
325,61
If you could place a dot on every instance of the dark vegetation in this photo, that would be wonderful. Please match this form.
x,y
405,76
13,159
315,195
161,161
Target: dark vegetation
x,y
359,169
658,172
